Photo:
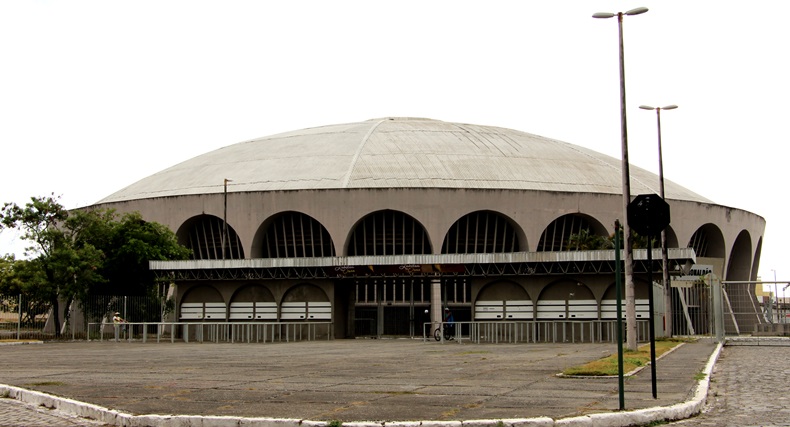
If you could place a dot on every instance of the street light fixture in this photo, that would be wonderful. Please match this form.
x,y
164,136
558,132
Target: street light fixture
x,y
630,308
664,257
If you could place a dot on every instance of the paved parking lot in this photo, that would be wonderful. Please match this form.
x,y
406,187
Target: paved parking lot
x,y
345,380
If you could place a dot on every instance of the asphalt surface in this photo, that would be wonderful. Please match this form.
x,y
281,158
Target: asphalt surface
x,y
345,380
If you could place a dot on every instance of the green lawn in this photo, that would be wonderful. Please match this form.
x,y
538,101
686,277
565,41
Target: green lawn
x,y
631,360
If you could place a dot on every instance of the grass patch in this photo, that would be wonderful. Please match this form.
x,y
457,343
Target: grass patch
x,y
607,366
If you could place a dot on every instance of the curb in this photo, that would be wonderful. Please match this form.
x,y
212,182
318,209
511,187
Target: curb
x,y
613,419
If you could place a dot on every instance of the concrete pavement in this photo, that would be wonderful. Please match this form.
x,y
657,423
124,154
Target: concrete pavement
x,y
394,382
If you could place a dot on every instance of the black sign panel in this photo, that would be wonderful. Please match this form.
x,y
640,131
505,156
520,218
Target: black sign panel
x,y
648,214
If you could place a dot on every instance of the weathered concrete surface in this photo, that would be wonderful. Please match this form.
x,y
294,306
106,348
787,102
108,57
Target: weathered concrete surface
x,y
346,380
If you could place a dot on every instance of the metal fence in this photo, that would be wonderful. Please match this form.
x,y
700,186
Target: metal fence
x,y
24,317
541,331
231,332
695,309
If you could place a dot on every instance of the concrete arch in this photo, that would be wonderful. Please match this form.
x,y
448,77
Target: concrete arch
x,y
252,302
203,234
503,300
566,299
305,302
708,241
390,225
756,259
740,262
202,302
556,235
508,224
502,290
252,293
316,238
672,238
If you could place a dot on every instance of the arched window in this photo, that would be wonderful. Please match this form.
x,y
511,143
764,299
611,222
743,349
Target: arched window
x,y
295,234
210,238
572,232
388,233
708,241
481,232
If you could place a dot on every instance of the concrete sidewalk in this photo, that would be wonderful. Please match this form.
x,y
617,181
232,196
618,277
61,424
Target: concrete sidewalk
x,y
394,380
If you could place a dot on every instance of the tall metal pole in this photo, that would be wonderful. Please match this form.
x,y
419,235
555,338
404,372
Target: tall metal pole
x,y
618,283
630,294
664,257
651,305
630,301
225,219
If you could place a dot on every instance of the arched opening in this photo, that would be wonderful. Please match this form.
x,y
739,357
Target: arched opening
x,y
388,232
708,242
672,238
253,302
503,300
566,299
305,302
481,232
202,303
294,235
210,238
756,259
739,266
573,232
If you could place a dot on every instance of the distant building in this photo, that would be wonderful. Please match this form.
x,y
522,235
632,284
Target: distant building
x,y
372,224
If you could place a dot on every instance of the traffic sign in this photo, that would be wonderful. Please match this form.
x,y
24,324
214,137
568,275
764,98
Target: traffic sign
x,y
648,214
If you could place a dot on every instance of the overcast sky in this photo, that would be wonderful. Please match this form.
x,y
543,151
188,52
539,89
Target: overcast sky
x,y
95,95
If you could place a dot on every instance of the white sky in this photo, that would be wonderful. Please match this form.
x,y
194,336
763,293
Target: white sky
x,y
95,95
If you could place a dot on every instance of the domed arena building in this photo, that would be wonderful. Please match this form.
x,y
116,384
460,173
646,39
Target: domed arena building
x,y
377,226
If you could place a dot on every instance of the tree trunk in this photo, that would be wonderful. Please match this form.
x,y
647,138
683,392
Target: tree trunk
x,y
56,315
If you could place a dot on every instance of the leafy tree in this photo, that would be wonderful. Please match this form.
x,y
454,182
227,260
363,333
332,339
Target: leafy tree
x,y
585,240
638,241
60,267
81,253
131,244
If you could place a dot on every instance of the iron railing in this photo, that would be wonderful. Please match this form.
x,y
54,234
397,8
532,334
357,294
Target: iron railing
x,y
229,332
540,331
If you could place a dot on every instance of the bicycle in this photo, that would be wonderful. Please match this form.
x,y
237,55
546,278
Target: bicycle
x,y
448,330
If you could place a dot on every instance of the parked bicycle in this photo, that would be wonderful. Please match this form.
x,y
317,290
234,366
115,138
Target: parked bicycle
x,y
447,327
448,330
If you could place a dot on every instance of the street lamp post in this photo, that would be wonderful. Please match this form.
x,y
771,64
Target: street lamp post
x,y
664,258
225,219
630,308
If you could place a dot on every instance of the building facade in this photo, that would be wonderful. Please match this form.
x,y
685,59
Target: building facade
x,y
377,226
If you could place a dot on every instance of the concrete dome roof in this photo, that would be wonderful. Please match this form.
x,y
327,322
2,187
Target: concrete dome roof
x,y
399,153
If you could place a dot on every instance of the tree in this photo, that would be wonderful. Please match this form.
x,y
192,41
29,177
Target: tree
x,y
60,267
83,252
585,240
131,244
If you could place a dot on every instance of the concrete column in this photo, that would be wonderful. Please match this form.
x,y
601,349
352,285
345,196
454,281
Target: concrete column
x,y
436,302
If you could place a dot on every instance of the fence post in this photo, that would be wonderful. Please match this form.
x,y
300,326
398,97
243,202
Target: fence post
x,y
19,320
718,308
